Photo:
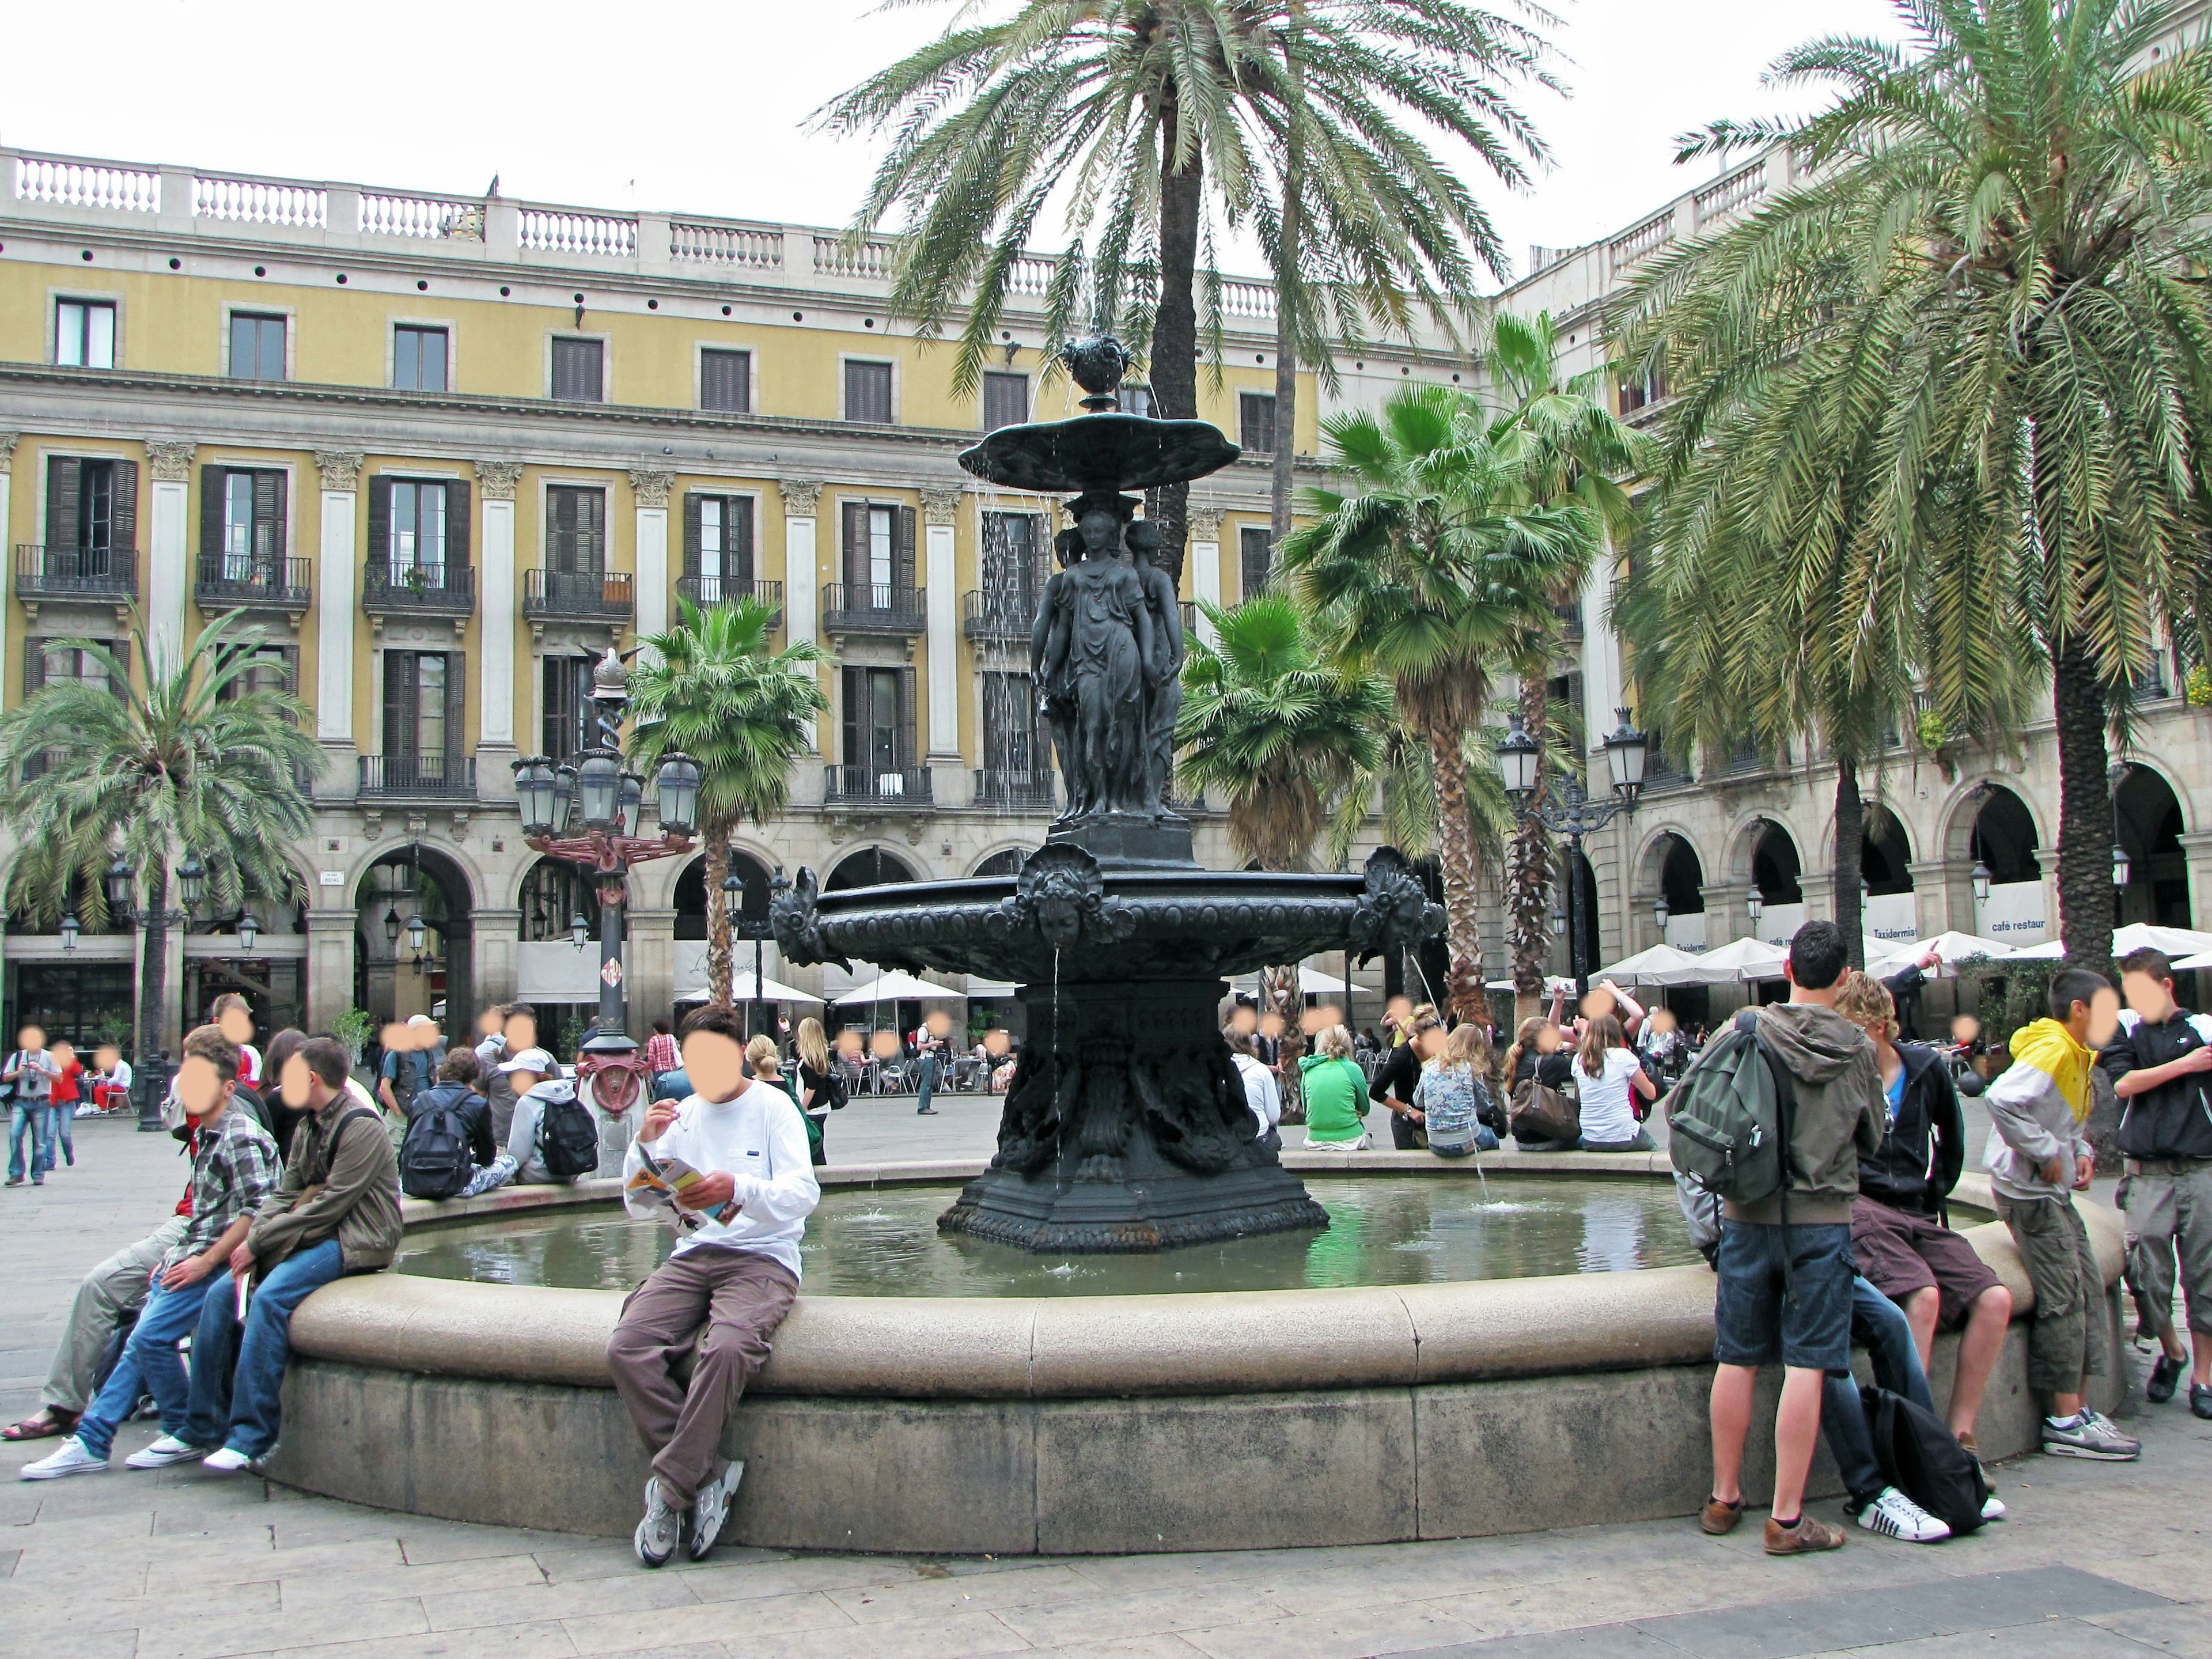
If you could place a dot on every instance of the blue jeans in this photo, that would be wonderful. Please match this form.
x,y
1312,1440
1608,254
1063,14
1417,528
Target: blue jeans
x,y
927,1085
1800,1313
35,1120
149,1360
1880,1325
1486,1139
65,1134
257,1406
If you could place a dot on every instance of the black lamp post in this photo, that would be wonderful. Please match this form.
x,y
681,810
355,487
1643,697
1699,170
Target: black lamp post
x,y
149,1077
1575,815
606,803
756,928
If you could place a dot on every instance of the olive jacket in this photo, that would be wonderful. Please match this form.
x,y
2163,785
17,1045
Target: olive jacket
x,y
342,1181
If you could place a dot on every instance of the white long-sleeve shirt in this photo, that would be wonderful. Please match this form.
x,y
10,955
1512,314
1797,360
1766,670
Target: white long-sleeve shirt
x,y
758,1139
1262,1092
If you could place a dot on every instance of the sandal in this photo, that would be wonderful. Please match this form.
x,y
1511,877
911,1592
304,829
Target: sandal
x,y
44,1426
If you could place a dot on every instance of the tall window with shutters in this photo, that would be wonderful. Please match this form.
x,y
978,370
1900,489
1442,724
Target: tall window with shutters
x,y
880,741
1005,399
47,662
242,521
1255,422
579,370
718,547
880,560
725,381
418,534
423,709
269,668
92,510
575,541
257,346
1255,559
1010,756
868,392
566,684
418,359
84,333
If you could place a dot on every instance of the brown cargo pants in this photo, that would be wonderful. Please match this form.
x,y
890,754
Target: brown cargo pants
x,y
721,1306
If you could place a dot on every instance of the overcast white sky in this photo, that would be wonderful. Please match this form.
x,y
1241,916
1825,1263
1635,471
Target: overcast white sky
x,y
682,104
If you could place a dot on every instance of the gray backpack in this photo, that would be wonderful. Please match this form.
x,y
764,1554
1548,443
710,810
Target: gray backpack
x,y
1729,1119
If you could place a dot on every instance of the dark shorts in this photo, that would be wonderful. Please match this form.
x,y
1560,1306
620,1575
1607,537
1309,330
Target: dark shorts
x,y
1904,1254
1802,1319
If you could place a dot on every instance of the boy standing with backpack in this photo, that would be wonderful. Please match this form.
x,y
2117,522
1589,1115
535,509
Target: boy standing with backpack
x,y
2038,1158
1784,1261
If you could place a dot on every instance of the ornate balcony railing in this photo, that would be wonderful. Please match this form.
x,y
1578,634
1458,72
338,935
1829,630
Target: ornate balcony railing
x,y
242,581
578,595
875,608
418,777
876,786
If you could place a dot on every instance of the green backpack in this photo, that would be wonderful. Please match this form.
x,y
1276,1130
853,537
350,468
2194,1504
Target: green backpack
x,y
1729,1119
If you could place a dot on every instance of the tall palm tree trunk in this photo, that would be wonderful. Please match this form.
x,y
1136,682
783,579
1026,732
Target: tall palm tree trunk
x,y
2085,808
1456,857
1175,327
1286,290
1850,852
154,970
1280,987
719,954
1529,912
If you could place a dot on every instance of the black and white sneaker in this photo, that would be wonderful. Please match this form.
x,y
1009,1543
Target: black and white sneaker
x,y
712,1508
1895,1516
659,1535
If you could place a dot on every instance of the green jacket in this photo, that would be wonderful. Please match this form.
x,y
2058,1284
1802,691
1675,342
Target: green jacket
x,y
1336,1095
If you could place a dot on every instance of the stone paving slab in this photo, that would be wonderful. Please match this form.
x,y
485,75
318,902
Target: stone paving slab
x,y
2097,1561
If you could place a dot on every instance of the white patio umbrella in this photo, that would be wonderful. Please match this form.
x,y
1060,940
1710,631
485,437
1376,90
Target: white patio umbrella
x,y
990,987
1311,982
895,986
2136,936
1952,947
1662,965
1738,959
741,990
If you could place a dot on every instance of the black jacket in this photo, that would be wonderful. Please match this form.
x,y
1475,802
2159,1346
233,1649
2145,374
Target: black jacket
x,y
2175,1119
1398,1076
475,1113
1921,1154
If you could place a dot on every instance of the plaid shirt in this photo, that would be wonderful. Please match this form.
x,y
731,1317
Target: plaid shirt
x,y
235,1168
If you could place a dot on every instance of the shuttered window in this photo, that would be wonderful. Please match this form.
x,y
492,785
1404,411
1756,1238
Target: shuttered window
x,y
1009,723
717,543
1255,559
579,370
575,530
418,530
242,519
725,381
868,393
1013,555
879,554
567,683
422,707
1006,400
84,333
275,668
418,360
257,347
1255,422
879,719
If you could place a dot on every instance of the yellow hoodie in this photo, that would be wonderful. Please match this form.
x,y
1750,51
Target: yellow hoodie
x,y
2036,1110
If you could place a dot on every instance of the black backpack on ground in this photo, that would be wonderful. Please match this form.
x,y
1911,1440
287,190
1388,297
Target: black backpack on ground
x,y
567,1138
433,1159
1922,1459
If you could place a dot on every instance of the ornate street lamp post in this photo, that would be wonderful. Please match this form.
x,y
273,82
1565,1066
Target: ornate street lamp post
x,y
599,797
1575,815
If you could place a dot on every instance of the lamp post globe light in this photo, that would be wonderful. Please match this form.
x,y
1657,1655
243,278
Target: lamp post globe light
x,y
1981,879
249,929
71,929
588,815
1755,904
1574,815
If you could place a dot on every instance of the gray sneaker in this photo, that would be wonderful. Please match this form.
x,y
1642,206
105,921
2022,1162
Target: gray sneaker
x,y
662,1530
2092,1437
712,1508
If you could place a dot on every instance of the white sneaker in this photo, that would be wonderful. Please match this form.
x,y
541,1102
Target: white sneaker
x,y
1895,1516
712,1508
226,1459
1993,1507
163,1452
661,1530
68,1458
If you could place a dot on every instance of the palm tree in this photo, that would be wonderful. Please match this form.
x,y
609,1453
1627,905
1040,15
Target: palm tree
x,y
1571,446
1988,305
1426,575
1164,123
195,761
715,688
1286,736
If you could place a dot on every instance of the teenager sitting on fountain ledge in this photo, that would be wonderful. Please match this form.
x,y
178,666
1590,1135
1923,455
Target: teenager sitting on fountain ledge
x,y
725,1286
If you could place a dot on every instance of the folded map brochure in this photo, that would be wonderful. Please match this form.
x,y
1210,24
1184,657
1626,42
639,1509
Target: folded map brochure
x,y
665,1181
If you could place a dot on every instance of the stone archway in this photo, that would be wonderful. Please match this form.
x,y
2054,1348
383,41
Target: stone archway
x,y
391,978
870,866
2147,820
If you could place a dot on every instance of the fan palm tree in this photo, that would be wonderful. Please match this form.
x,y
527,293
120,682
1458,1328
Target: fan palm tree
x,y
1570,445
193,761
1163,123
1988,303
716,689
1427,573
1285,735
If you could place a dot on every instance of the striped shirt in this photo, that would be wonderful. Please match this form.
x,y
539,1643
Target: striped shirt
x,y
235,1168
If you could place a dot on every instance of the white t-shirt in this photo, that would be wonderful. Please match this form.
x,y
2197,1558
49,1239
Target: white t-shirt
x,y
760,1139
1262,1092
1605,1114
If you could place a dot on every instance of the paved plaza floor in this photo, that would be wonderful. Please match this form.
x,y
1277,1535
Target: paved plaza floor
x,y
2096,1560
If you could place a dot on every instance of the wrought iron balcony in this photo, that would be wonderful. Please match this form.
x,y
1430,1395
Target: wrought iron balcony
x,y
1002,616
418,777
1014,789
235,582
598,596
890,787
76,573
418,590
879,608
705,591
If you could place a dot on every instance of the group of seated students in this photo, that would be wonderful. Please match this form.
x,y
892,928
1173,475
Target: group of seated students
x,y
282,1199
